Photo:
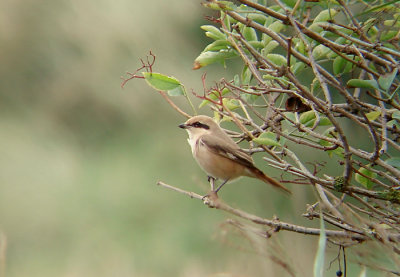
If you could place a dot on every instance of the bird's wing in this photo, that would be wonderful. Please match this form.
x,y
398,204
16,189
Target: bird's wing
x,y
227,150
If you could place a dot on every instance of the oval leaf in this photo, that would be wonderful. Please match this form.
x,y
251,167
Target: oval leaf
x,y
306,117
178,91
220,6
210,57
323,121
277,59
323,16
160,81
373,115
217,45
320,51
267,138
270,46
259,18
213,32
396,115
359,83
367,183
249,34
277,26
386,80
231,104
341,66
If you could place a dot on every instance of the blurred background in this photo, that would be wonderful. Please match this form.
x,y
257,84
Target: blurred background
x,y
80,157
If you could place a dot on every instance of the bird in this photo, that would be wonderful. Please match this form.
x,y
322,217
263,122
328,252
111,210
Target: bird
x,y
218,154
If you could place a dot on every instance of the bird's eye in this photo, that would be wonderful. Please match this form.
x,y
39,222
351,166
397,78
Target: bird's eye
x,y
198,124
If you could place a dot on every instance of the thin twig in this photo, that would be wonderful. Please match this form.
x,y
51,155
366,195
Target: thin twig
x,y
172,104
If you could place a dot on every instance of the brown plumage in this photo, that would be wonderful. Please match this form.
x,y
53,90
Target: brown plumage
x,y
218,155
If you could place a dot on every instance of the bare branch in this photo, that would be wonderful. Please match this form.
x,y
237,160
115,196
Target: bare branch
x,y
277,224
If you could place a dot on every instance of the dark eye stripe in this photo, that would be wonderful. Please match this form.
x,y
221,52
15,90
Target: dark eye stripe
x,y
200,125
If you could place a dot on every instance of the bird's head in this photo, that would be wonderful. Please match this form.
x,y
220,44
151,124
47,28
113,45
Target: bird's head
x,y
200,125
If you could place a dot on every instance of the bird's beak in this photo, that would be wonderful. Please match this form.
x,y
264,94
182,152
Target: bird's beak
x,y
183,126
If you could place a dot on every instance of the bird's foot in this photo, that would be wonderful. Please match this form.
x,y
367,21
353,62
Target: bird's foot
x,y
210,199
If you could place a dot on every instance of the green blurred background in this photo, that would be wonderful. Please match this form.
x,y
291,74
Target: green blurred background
x,y
80,157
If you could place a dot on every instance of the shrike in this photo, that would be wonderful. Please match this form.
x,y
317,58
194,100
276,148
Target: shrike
x,y
218,155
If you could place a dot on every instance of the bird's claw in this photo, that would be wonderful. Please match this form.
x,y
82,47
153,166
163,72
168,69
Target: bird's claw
x,y
210,199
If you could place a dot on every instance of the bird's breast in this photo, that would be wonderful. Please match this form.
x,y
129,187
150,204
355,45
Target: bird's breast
x,y
216,165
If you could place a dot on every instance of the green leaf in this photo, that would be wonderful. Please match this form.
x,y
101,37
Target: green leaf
x,y
231,104
210,57
396,115
338,65
307,116
297,67
276,27
359,83
338,152
386,80
160,81
259,18
323,16
367,183
393,124
315,85
379,7
289,3
249,98
269,47
178,91
227,21
320,257
341,66
320,51
323,121
277,59
220,5
290,116
213,32
331,133
246,75
267,138
395,161
218,45
308,119
373,115
249,33
299,46
236,80
256,44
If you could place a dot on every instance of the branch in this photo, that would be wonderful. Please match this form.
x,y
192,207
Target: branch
x,y
173,105
214,202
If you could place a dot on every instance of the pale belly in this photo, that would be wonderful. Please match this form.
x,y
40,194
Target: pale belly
x,y
218,166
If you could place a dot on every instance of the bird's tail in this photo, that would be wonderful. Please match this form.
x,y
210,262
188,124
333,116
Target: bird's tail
x,y
263,177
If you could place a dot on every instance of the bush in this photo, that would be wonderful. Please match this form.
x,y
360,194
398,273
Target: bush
x,y
319,74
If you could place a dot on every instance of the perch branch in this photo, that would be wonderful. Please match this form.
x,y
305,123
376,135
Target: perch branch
x,y
277,224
